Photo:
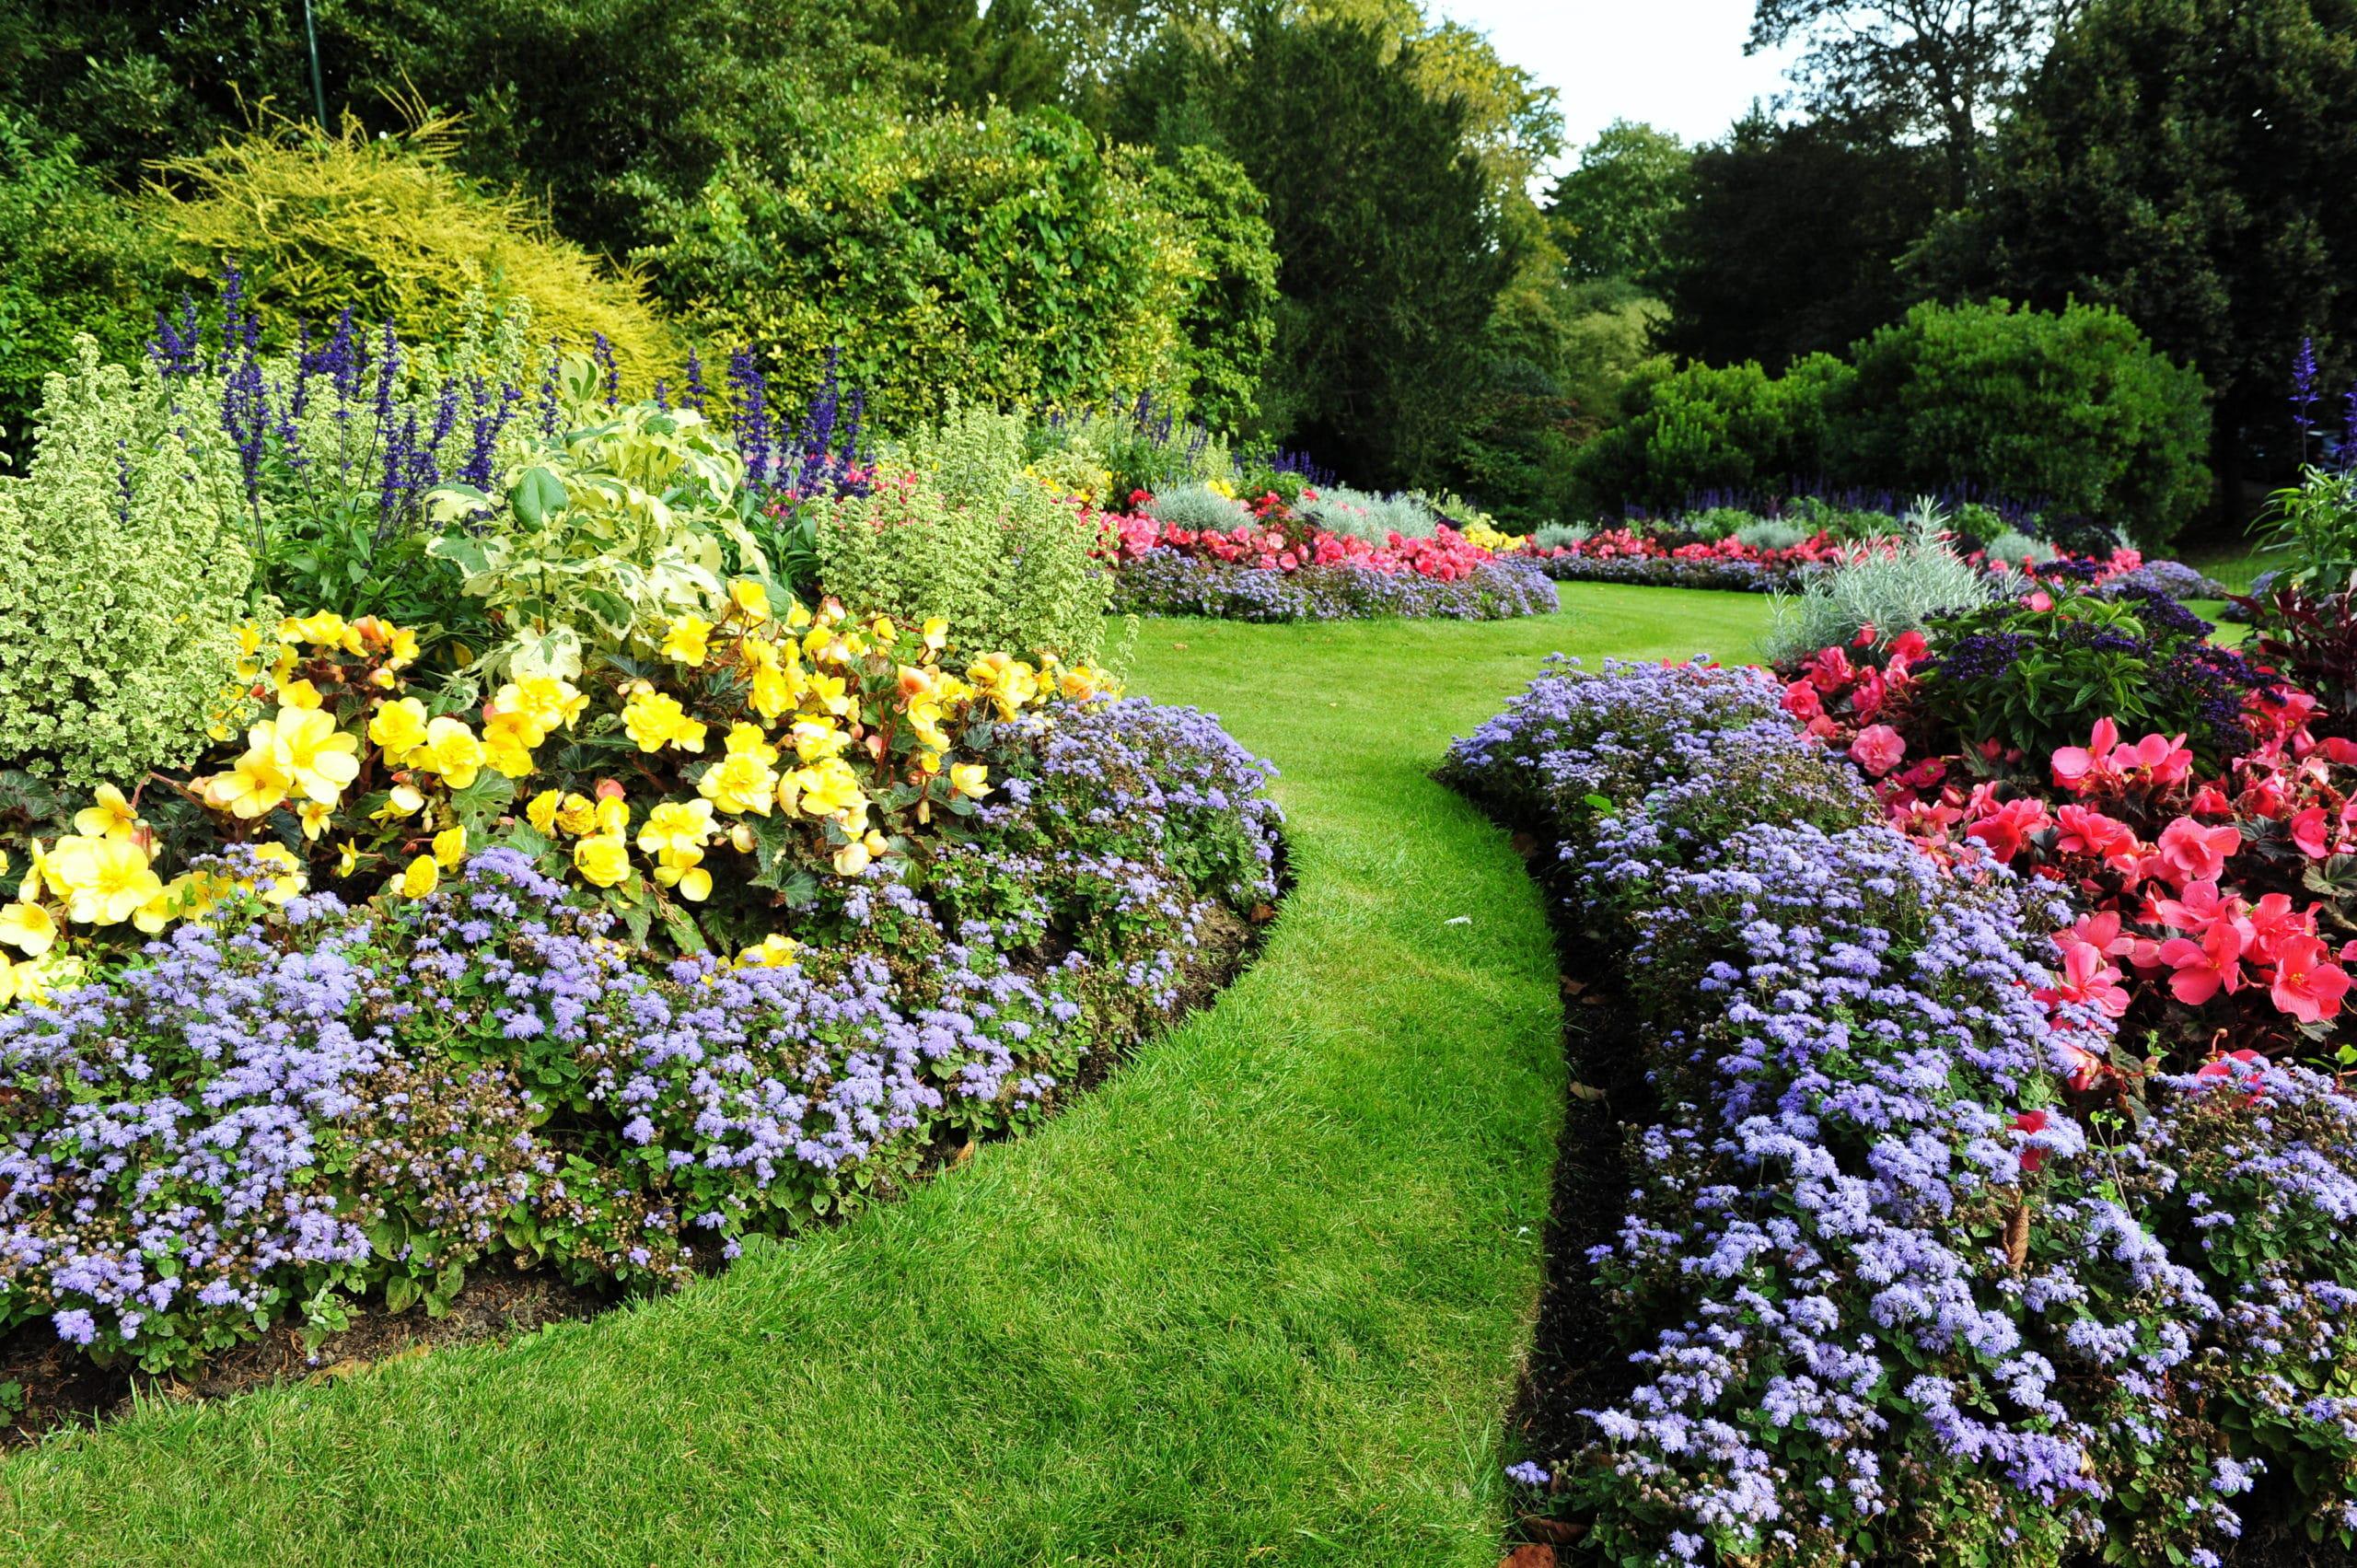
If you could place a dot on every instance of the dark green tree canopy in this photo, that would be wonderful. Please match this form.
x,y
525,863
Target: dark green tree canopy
x,y
2187,161
1789,245
1936,69
1609,214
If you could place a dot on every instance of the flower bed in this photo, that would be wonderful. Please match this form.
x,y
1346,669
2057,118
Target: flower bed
x,y
432,989
1169,582
1630,555
1896,1285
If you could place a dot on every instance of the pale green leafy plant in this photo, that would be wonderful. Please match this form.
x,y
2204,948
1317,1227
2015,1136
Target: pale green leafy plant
x,y
632,518
1892,587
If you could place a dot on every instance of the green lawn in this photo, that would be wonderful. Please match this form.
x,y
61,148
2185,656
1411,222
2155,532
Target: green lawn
x,y
1257,1300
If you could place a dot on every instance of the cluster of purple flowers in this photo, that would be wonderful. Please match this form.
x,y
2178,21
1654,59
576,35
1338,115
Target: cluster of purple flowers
x,y
1171,582
1889,1286
2166,579
278,1109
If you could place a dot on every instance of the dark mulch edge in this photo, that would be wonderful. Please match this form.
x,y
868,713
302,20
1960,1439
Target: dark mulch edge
x,y
58,1387
1576,1360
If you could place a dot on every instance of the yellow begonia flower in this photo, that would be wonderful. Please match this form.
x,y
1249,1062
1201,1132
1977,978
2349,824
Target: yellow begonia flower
x,y
746,740
683,871
603,858
830,694
936,634
399,729
541,812
655,719
421,877
749,596
739,783
969,779
578,815
320,759
852,858
400,801
677,827
290,879
612,814
829,788
547,702
685,641
298,694
347,858
775,691
104,881
451,847
258,781
28,928
324,630
111,818
772,950
314,817
451,750
249,639
815,740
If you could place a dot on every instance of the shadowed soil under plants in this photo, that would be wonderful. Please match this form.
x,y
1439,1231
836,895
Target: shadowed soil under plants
x,y
46,1383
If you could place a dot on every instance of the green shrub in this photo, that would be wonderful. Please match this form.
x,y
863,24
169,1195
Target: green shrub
x,y
123,574
957,528
389,227
1011,256
2075,411
78,261
1139,447
1688,429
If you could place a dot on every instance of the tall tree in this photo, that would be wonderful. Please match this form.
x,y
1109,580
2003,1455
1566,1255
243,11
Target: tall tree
x,y
1385,222
1609,214
1931,68
1789,241
2188,162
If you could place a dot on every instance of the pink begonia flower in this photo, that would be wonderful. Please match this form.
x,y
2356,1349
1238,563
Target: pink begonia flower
x,y
2007,830
2206,967
2308,984
1877,749
2087,978
2309,831
2192,852
2072,763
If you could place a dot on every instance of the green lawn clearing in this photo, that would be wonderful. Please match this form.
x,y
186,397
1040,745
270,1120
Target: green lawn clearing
x,y
1257,1300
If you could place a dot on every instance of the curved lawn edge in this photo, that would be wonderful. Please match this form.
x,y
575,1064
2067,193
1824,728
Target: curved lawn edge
x,y
1262,1297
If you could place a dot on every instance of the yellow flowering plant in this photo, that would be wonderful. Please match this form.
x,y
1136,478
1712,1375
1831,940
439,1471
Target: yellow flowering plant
x,y
756,755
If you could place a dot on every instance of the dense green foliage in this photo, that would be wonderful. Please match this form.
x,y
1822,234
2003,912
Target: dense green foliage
x,y
78,262
1787,243
1015,247
2072,410
1609,214
124,568
2183,160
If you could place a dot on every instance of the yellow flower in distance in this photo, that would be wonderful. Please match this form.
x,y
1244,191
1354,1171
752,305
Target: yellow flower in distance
x,y
773,951
258,782
655,719
451,847
829,788
969,779
578,815
542,811
298,694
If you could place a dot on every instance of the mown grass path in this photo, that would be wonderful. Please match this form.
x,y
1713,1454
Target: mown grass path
x,y
1260,1299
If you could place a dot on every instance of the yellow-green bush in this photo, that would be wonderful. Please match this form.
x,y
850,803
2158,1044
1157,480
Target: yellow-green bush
x,y
123,574
389,227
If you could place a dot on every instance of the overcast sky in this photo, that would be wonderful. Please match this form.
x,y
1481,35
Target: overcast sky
x,y
1677,63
